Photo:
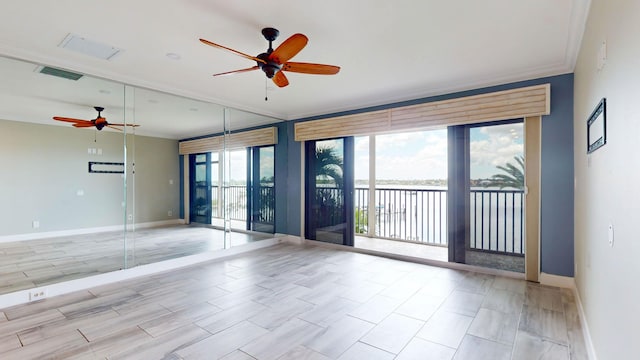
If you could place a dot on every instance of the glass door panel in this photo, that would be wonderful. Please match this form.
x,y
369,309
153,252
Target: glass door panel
x,y
216,189
200,188
236,191
496,196
263,190
329,191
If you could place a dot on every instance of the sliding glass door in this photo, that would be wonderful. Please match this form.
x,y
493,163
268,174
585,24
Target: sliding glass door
x,y
250,193
496,196
200,189
329,191
486,195
261,206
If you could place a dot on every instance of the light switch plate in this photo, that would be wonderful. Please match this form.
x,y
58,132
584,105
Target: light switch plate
x,y
602,55
611,235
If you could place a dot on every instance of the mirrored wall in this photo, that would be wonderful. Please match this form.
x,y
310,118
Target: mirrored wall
x,y
90,197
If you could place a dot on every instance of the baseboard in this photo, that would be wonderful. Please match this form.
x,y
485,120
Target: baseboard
x,y
22,296
588,343
557,281
51,234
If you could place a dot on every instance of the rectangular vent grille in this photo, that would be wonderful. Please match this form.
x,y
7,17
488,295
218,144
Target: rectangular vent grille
x,y
60,73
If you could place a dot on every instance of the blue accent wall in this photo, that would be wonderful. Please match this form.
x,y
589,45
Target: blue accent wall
x,y
287,174
556,224
557,178
289,190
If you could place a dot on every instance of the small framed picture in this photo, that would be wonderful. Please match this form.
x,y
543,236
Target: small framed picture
x,y
597,127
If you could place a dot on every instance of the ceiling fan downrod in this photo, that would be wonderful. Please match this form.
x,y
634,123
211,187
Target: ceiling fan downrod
x,y
271,35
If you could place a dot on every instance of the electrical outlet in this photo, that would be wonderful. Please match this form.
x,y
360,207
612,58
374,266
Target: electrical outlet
x,y
35,224
37,294
130,217
170,213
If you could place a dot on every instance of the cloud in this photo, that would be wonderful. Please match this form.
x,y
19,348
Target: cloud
x,y
492,146
362,144
415,156
401,140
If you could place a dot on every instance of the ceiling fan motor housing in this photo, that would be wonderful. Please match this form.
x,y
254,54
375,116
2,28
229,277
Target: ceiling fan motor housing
x,y
270,68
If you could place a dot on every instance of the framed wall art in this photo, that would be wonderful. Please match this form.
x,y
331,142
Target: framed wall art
x,y
597,127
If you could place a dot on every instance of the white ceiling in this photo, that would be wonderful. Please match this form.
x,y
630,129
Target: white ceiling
x,y
388,50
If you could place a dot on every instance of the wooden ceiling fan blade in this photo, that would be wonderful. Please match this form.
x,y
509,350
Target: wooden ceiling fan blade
x,y
280,79
111,126
72,120
246,56
289,48
82,125
310,68
237,71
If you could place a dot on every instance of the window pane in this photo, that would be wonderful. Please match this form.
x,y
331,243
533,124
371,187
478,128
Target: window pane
x,y
411,186
266,165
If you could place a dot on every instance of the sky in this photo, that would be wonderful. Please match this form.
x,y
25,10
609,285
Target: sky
x,y
238,164
422,155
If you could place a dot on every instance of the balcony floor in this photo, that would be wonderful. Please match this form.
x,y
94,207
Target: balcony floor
x,y
423,251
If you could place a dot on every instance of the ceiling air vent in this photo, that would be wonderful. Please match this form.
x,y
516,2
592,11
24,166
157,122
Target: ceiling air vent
x,y
60,73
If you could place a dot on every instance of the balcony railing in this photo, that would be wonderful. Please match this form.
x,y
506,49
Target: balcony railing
x,y
496,219
237,197
420,215
406,214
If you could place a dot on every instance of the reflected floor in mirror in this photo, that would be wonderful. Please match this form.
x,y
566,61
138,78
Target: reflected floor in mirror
x,y
301,302
32,263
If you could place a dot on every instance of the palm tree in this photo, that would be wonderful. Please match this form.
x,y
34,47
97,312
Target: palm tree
x,y
514,177
328,200
328,164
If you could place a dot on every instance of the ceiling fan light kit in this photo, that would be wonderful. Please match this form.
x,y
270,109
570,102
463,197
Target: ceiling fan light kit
x,y
275,62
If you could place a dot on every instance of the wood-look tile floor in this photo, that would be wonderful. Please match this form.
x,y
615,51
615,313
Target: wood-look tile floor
x,y
31,263
300,302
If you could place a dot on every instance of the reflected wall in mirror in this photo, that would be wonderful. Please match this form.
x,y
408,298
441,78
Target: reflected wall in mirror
x,y
225,190
66,223
54,199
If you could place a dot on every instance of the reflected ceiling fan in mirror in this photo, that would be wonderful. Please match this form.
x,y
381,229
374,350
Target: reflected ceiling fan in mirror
x,y
99,122
274,62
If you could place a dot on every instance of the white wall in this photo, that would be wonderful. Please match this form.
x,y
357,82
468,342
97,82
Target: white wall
x,y
607,183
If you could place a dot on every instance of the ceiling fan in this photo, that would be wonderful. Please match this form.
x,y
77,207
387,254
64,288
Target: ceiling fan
x,y
274,62
99,122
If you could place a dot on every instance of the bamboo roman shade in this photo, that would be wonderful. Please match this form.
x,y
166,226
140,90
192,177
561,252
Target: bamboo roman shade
x,y
501,105
259,137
